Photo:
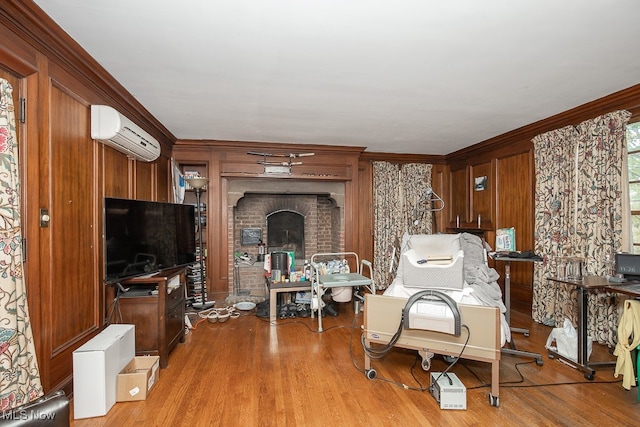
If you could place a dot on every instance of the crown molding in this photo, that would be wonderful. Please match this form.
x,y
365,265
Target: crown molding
x,y
34,26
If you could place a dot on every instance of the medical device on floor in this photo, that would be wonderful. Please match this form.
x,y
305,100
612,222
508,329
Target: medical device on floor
x,y
432,310
448,390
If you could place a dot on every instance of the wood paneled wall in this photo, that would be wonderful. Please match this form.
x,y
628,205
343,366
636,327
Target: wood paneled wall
x,y
64,171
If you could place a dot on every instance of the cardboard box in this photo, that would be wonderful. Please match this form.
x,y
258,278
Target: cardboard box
x,y
96,365
138,378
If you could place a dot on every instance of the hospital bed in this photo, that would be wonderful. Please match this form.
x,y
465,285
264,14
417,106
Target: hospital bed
x,y
454,264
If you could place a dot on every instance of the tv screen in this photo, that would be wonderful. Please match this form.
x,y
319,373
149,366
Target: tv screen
x,y
143,237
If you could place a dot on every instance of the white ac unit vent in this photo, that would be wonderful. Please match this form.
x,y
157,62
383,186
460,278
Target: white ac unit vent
x,y
117,131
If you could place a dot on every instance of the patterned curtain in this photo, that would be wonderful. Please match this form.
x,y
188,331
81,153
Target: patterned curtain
x,y
388,221
579,212
554,156
415,179
397,191
20,381
601,150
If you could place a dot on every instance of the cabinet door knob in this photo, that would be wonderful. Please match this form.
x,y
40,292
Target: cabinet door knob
x,y
44,217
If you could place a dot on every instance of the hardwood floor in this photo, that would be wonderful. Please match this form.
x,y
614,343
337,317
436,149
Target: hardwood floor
x,y
246,372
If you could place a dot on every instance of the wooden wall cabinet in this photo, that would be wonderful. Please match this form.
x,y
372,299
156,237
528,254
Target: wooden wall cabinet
x,y
459,198
155,305
472,197
482,195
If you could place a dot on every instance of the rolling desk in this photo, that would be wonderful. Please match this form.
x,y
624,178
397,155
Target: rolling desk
x,y
631,288
583,287
507,302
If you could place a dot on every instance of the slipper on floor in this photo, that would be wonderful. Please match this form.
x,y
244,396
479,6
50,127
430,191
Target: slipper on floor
x,y
284,311
331,311
302,310
293,310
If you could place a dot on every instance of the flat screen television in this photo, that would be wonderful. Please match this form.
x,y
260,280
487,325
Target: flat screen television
x,y
144,237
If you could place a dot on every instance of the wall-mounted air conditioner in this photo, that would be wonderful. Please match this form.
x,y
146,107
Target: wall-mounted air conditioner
x,y
117,131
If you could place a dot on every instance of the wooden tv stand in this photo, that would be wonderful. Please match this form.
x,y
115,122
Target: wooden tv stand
x,y
158,316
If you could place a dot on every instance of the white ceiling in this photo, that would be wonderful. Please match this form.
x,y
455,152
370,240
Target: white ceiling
x,y
400,76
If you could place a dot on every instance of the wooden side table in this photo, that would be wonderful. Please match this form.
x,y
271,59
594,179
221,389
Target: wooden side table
x,y
155,305
276,288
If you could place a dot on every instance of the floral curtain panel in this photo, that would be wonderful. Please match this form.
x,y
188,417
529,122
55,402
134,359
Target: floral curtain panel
x,y
579,212
554,154
20,380
415,179
397,191
601,151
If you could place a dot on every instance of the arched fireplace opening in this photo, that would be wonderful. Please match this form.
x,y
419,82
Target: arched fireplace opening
x,y
285,232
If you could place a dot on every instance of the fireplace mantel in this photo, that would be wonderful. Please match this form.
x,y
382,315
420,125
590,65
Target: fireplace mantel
x,y
237,188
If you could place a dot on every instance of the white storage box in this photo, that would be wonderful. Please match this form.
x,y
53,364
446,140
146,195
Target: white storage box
x,y
96,366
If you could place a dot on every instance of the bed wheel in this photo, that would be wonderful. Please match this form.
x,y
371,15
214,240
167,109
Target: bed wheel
x,y
449,359
588,376
494,400
370,373
426,364
539,362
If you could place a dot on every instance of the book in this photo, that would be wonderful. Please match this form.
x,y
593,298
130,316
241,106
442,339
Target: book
x,y
506,239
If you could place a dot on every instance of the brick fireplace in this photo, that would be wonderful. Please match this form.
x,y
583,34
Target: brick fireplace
x,y
311,209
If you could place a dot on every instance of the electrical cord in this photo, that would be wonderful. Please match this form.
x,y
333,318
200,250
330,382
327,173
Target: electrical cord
x,y
363,371
112,311
115,315
452,364
513,384
380,352
294,320
385,350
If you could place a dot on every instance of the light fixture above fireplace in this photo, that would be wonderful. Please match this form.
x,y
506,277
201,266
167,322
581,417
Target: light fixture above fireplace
x,y
279,168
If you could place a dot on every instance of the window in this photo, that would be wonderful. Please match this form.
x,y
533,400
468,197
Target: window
x,y
633,148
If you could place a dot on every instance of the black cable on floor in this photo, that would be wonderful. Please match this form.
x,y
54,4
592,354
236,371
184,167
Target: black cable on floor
x,y
512,384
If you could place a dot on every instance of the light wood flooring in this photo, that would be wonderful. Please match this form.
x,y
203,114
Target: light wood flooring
x,y
246,372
